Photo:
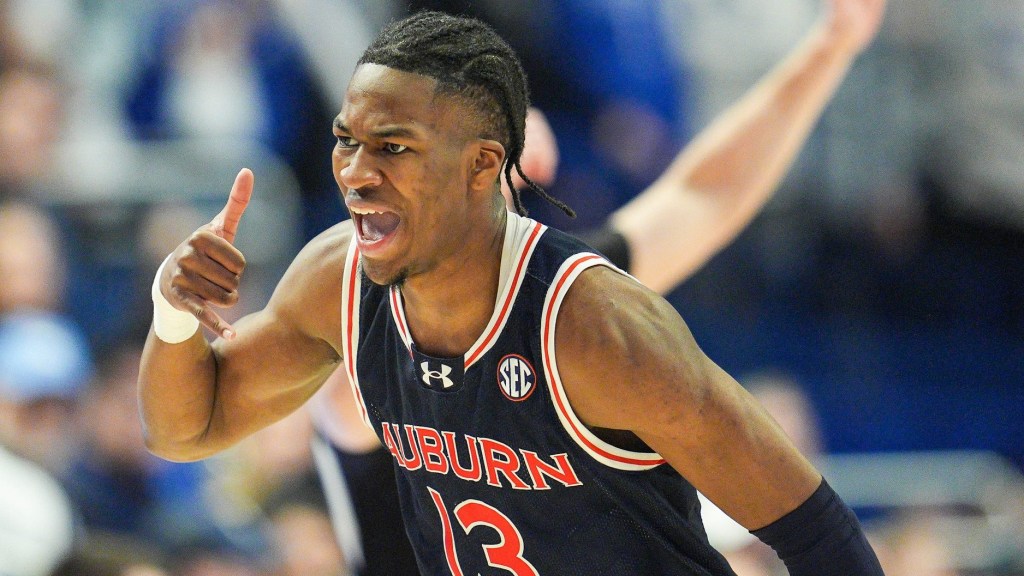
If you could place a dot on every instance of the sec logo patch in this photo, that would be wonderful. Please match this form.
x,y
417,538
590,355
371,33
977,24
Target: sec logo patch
x,y
516,377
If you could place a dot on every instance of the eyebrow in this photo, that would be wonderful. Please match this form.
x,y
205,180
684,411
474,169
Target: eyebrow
x,y
383,132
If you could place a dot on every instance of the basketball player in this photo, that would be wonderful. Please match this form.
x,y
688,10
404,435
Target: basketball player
x,y
546,413
707,196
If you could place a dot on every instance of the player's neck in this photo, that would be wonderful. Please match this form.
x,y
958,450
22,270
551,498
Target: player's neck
x,y
449,308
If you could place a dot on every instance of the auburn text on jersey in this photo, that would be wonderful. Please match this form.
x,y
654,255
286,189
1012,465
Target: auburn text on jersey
x,y
478,459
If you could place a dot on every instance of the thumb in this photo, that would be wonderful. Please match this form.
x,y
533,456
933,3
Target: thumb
x,y
225,224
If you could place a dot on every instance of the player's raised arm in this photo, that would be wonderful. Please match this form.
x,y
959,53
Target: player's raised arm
x,y
640,371
719,182
198,398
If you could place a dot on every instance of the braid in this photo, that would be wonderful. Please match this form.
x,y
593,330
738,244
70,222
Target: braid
x,y
469,60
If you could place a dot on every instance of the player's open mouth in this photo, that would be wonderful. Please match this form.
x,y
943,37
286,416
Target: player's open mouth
x,y
374,226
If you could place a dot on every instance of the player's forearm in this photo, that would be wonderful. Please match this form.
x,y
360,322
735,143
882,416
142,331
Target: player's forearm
x,y
721,180
176,397
743,155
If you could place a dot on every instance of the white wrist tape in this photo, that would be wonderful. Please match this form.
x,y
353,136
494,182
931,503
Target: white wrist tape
x,y
170,324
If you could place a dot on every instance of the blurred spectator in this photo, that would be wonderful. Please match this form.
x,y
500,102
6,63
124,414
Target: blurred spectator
x,y
36,520
30,118
31,262
203,560
788,403
302,530
269,477
124,492
44,358
275,456
332,56
912,544
44,366
102,567
112,556
757,34
90,49
232,72
37,27
10,46
970,93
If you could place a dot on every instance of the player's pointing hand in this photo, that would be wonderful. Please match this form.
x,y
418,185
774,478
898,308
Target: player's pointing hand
x,y
206,268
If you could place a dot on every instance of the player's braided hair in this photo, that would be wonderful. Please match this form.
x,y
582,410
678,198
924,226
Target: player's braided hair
x,y
469,60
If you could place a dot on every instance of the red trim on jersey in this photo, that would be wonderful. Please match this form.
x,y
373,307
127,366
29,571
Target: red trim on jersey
x,y
475,353
353,271
565,410
351,310
398,312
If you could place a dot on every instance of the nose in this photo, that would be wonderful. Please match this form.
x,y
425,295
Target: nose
x,y
359,171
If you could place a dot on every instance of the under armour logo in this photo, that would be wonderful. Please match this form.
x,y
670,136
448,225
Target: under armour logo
x,y
432,375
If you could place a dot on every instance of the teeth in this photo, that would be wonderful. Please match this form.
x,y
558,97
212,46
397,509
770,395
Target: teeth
x,y
363,211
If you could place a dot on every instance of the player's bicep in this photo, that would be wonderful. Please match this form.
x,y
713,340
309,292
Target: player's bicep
x,y
265,373
283,353
639,369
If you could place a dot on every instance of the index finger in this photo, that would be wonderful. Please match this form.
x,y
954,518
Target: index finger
x,y
225,224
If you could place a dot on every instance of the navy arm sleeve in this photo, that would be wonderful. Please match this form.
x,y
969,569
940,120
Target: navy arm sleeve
x,y
821,537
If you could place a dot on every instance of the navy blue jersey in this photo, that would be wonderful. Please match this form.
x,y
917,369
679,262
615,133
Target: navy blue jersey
x,y
496,474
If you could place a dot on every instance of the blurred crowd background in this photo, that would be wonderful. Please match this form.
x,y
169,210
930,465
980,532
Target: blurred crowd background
x,y
876,306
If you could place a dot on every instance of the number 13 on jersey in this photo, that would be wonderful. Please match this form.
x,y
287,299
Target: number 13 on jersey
x,y
507,554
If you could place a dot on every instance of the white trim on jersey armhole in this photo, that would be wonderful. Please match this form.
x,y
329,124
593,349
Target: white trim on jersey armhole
x,y
600,450
525,236
351,293
398,312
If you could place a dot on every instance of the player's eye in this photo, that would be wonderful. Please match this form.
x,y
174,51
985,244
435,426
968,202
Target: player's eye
x,y
395,148
347,142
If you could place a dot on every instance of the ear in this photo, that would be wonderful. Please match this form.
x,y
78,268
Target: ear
x,y
487,161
